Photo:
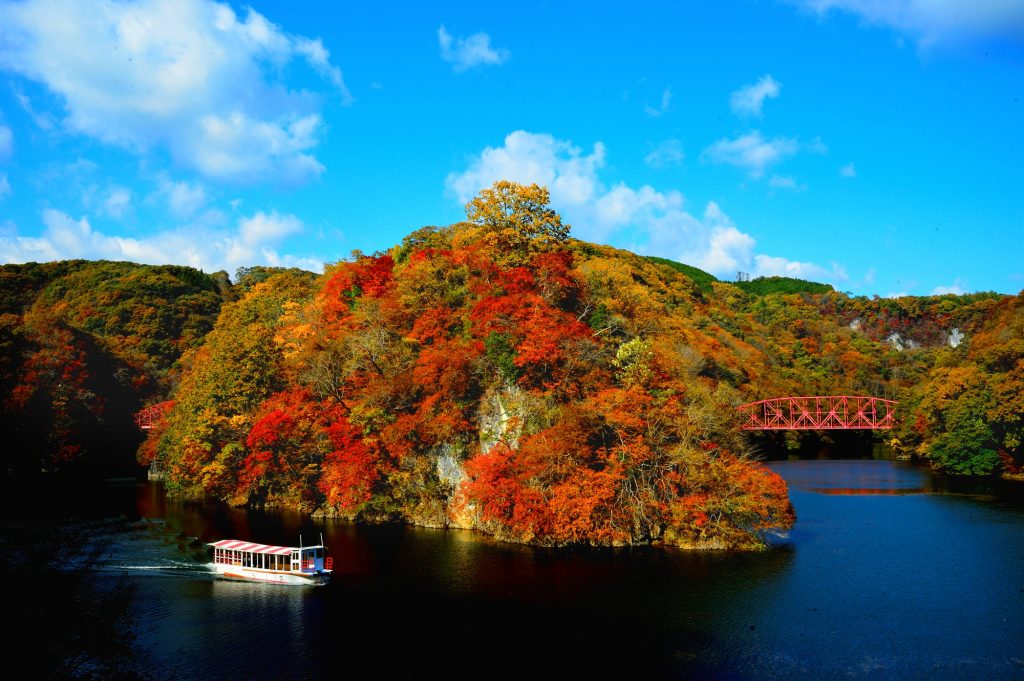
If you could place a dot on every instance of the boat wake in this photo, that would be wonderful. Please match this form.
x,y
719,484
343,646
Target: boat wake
x,y
183,566
152,548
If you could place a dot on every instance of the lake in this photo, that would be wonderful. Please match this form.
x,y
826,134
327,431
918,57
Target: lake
x,y
888,574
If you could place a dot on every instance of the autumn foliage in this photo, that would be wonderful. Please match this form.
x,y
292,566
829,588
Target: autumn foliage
x,y
488,375
493,374
83,346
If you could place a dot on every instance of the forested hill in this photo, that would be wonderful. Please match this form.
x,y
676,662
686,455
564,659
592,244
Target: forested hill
x,y
84,345
494,374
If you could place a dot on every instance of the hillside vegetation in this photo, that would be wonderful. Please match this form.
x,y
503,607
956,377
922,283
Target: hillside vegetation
x,y
84,346
499,375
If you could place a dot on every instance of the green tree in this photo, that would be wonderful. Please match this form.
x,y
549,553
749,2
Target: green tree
x,y
959,438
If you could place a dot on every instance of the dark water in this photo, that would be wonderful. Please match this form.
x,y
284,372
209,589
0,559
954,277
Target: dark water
x,y
886,575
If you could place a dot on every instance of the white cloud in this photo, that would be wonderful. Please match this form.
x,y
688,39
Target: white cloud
x,y
785,182
666,101
183,198
748,100
848,171
467,53
643,219
527,157
43,120
251,242
81,167
188,75
320,59
237,147
118,202
5,186
667,153
729,250
816,146
752,152
768,266
956,288
6,143
932,21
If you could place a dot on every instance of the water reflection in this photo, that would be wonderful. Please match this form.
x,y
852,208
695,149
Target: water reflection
x,y
855,477
884,576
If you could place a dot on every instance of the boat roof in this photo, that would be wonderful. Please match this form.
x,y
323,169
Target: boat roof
x,y
238,545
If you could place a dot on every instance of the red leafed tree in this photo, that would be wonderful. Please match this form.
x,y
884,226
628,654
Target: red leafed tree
x,y
350,470
498,484
299,445
370,276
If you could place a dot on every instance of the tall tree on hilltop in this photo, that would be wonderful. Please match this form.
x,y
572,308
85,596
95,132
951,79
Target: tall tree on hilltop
x,y
516,221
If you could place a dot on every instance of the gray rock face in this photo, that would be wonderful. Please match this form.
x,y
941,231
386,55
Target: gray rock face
x,y
901,343
449,466
499,417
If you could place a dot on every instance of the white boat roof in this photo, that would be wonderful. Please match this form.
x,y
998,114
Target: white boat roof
x,y
238,545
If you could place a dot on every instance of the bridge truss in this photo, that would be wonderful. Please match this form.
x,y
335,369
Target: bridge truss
x,y
835,412
152,415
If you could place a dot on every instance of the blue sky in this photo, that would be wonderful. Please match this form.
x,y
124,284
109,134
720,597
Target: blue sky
x,y
873,145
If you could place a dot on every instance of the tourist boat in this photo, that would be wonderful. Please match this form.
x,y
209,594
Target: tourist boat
x,y
236,559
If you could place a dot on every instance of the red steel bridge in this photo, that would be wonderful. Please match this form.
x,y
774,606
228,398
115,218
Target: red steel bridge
x,y
837,412
152,415
834,412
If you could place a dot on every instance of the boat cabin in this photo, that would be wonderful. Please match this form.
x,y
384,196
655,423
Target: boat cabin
x,y
234,558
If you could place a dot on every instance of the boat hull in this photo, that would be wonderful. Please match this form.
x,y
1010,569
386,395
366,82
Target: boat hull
x,y
246,574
